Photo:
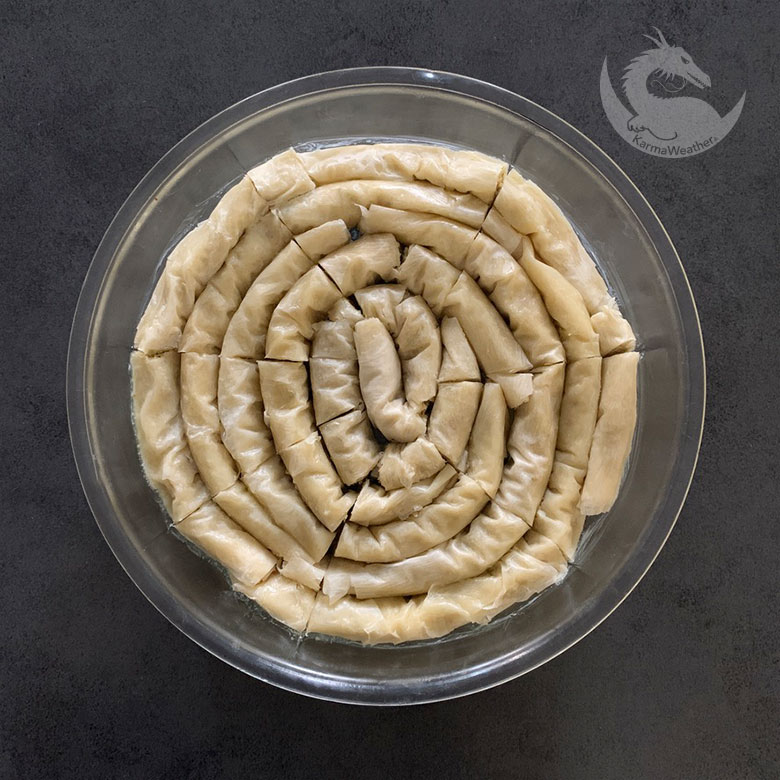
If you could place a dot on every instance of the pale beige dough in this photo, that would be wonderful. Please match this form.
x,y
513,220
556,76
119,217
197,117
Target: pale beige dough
x,y
403,465
379,370
317,481
291,325
419,348
613,434
342,200
487,443
192,263
460,170
162,443
452,416
246,333
323,239
240,405
458,363
450,513
376,506
363,262
199,381
281,178
533,213
444,236
210,318
285,389
283,598
246,560
381,301
271,485
427,274
351,446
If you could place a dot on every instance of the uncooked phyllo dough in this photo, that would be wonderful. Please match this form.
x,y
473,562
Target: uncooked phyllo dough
x,y
383,386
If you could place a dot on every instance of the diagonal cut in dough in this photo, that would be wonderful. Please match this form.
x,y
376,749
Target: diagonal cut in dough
x,y
363,262
444,236
342,200
272,487
493,343
281,178
449,514
288,413
403,465
246,334
317,481
246,560
240,404
351,446
487,444
533,213
427,274
199,383
458,363
376,506
452,417
419,347
516,298
291,326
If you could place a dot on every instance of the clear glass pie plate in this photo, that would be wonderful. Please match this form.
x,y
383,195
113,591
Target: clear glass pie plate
x,y
617,225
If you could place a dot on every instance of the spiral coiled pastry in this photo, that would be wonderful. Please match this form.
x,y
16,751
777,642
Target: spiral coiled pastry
x,y
383,385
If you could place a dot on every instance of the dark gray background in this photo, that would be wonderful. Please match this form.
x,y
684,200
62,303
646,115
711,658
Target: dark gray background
x,y
681,682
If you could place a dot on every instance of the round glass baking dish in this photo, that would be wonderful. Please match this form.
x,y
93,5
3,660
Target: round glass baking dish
x,y
630,246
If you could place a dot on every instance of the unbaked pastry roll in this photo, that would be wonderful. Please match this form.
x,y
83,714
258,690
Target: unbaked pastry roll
x,y
403,465
246,560
427,274
288,413
516,298
531,446
460,170
283,598
381,301
351,446
493,343
242,507
565,305
444,236
190,265
458,363
376,506
452,417
450,513
379,369
240,404
317,481
531,212
342,200
362,262
245,336
281,178
291,326
419,347
210,318
199,383
165,454
272,487
487,445
613,433
323,239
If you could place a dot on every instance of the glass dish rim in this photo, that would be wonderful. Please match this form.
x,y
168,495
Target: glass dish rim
x,y
464,681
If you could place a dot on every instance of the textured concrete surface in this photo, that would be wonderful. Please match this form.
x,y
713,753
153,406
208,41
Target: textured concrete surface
x,y
681,682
